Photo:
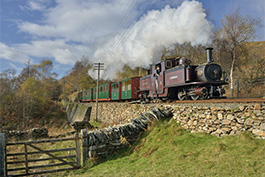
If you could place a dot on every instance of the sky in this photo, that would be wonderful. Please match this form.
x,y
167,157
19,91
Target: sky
x,y
115,32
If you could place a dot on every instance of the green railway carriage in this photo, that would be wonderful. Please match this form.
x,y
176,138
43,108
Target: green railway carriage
x,y
130,88
127,89
85,95
103,92
115,91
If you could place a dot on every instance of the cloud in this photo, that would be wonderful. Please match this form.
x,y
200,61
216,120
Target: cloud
x,y
80,20
62,53
12,54
35,5
113,31
142,43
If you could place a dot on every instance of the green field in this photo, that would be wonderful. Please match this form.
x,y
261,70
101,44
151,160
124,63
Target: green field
x,y
168,150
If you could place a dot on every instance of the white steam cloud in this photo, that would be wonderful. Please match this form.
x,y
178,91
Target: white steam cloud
x,y
142,43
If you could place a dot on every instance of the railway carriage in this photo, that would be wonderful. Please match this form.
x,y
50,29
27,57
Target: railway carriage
x,y
104,92
116,91
85,96
130,88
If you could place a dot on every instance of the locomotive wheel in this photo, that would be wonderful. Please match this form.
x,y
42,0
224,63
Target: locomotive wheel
x,y
182,94
195,97
204,97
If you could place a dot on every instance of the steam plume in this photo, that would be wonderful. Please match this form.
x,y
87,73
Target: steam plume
x,y
142,43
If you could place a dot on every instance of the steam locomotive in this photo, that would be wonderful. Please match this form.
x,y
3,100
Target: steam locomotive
x,y
173,78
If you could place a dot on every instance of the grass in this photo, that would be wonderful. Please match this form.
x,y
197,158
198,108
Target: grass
x,y
168,150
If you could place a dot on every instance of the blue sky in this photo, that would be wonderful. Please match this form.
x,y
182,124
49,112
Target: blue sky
x,y
67,30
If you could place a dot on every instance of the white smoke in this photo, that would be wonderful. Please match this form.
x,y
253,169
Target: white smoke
x,y
142,43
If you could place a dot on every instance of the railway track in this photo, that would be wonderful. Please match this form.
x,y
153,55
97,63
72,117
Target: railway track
x,y
230,100
210,101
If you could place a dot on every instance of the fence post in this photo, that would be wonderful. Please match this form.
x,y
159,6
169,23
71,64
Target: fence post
x,y
2,154
84,146
77,147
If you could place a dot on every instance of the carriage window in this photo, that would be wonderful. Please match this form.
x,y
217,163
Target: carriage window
x,y
123,85
112,88
129,85
168,64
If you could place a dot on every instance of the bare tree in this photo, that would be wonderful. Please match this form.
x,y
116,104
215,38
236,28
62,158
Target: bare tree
x,y
231,38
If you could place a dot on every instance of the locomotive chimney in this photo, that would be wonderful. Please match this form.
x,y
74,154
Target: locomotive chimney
x,y
209,54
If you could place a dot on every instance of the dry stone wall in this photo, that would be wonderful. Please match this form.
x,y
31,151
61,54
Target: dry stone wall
x,y
222,121
102,143
35,133
118,113
219,120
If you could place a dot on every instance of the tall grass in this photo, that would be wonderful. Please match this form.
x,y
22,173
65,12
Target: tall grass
x,y
168,150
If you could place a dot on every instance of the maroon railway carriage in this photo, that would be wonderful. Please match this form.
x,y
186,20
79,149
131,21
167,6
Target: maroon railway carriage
x,y
178,79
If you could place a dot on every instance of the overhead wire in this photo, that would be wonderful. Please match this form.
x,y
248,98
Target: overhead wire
x,y
124,35
113,48
117,26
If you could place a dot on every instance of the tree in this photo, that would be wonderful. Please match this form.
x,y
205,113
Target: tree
x,y
7,92
196,53
27,95
78,78
231,38
32,96
45,69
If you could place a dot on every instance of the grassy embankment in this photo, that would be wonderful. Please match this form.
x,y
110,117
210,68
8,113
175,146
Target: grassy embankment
x,y
168,150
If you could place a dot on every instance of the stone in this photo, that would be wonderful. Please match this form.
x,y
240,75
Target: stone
x,y
226,130
230,117
205,129
190,122
202,116
247,114
242,108
240,120
239,125
234,128
262,126
195,123
214,117
257,107
257,123
208,116
258,132
249,122
226,122
232,132
220,116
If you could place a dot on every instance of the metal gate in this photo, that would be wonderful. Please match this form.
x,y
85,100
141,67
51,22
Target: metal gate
x,y
30,158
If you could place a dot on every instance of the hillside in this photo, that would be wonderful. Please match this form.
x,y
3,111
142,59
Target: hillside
x,y
168,150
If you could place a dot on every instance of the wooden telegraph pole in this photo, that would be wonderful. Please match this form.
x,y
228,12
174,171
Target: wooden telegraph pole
x,y
98,66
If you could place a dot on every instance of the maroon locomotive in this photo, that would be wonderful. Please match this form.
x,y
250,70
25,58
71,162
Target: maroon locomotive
x,y
177,78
